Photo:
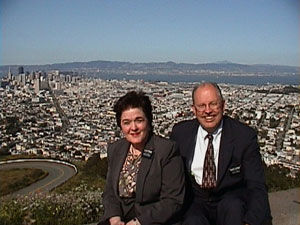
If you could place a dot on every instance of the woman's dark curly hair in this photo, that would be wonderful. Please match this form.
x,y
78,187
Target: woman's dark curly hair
x,y
134,99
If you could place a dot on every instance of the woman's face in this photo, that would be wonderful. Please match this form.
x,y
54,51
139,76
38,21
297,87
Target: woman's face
x,y
134,125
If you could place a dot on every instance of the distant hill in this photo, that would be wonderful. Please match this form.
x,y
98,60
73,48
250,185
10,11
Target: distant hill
x,y
170,68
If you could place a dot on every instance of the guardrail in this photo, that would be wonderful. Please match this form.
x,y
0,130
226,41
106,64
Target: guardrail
x,y
40,160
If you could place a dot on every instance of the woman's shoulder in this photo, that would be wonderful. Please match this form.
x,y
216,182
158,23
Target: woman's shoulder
x,y
116,144
164,145
164,148
163,140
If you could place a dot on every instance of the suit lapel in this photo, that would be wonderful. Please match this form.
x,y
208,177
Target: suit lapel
x,y
119,157
191,143
147,158
226,149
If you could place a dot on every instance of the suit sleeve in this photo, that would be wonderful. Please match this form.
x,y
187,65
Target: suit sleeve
x,y
257,196
112,206
171,194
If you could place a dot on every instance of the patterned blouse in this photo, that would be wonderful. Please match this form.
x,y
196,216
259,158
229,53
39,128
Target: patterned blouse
x,y
128,175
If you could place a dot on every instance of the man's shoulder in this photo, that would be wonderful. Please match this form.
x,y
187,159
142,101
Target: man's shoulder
x,y
184,128
186,124
235,124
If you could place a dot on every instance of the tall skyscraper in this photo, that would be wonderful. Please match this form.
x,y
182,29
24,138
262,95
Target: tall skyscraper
x,y
9,75
20,70
23,78
37,85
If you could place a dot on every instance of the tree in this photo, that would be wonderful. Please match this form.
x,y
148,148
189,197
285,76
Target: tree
x,y
12,125
277,178
96,166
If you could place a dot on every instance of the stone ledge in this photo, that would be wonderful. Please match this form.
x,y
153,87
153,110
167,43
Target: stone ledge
x,y
285,207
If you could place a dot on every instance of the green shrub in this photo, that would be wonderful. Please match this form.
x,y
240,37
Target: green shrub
x,y
95,166
74,208
11,212
277,178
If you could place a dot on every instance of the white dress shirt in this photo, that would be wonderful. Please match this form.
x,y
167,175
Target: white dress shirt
x,y
200,150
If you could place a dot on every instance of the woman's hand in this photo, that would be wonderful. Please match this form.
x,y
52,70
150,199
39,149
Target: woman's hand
x,y
116,220
133,222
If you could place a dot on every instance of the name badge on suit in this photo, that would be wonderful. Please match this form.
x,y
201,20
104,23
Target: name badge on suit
x,y
147,153
235,170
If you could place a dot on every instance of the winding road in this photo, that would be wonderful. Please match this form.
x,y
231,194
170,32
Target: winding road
x,y
59,172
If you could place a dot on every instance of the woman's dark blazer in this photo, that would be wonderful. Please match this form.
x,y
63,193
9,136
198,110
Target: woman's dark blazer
x,y
160,181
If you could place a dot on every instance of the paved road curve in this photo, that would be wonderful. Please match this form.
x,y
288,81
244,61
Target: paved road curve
x,y
59,172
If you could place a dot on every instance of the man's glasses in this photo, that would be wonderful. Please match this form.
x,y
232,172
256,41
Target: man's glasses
x,y
211,105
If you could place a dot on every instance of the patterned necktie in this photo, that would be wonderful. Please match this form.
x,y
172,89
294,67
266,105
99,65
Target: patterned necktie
x,y
209,169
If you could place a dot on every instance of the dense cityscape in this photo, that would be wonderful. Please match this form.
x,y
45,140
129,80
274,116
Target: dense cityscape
x,y
67,117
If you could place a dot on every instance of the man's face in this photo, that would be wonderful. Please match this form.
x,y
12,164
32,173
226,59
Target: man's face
x,y
208,107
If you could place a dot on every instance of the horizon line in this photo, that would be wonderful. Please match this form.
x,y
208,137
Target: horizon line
x,y
216,62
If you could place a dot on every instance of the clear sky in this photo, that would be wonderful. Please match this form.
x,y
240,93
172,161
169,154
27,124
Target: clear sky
x,y
189,31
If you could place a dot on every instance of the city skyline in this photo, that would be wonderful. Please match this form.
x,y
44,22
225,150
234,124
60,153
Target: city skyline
x,y
246,32
68,117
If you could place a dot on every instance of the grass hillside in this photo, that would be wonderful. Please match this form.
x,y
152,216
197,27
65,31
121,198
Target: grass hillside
x,y
16,179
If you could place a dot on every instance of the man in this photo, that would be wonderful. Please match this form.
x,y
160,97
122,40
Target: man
x,y
226,180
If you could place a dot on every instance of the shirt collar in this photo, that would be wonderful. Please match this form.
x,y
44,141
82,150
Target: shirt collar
x,y
203,132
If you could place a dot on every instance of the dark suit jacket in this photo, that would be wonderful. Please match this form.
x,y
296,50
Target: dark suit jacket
x,y
160,185
240,170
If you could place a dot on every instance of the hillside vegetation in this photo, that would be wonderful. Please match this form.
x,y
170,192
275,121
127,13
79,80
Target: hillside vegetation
x,y
16,179
79,200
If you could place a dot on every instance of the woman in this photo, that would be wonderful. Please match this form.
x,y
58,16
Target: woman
x,y
145,178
